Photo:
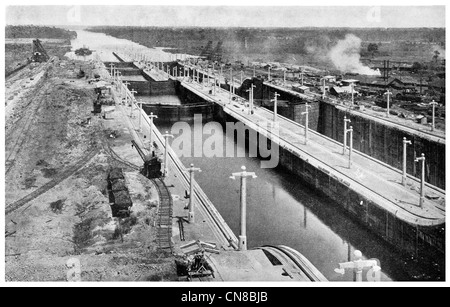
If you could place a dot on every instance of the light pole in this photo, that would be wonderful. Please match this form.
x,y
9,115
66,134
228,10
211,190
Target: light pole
x,y
191,171
345,133
433,103
422,180
166,145
151,116
358,265
243,235
275,111
323,89
140,113
388,94
125,91
132,101
231,81
405,142
307,106
111,71
350,150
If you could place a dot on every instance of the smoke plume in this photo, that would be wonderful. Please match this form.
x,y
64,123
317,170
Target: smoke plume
x,y
345,56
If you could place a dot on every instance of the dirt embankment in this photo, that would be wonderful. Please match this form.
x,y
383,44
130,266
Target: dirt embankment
x,y
56,169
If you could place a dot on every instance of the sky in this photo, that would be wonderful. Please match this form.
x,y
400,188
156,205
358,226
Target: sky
x,y
230,16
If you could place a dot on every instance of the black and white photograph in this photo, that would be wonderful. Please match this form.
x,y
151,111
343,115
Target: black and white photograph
x,y
189,143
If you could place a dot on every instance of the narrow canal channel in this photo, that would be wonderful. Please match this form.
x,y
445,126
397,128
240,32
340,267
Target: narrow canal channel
x,y
282,210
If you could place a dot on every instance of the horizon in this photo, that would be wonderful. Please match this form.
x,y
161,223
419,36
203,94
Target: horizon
x,y
374,17
220,27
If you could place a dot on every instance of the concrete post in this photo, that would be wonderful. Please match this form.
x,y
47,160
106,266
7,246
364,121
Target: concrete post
x,y
275,111
231,82
422,180
301,74
111,71
151,129
269,75
307,106
125,91
404,178
252,100
350,147
388,94
243,219
166,146
191,170
140,114
433,103
132,101
242,77
323,89
353,94
345,134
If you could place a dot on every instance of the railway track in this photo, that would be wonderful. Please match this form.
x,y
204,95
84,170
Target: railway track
x,y
65,173
203,200
165,214
18,137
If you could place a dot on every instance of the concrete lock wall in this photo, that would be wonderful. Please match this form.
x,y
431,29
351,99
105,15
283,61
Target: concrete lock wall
x,y
407,238
377,140
172,114
385,143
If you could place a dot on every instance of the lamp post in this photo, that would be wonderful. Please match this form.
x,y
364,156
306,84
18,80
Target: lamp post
x,y
422,180
243,219
191,170
125,89
388,94
405,142
140,113
166,145
306,113
323,89
433,103
132,100
358,265
352,85
231,81
275,111
345,133
350,150
151,117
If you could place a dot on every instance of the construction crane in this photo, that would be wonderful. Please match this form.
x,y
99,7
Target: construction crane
x,y
39,53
